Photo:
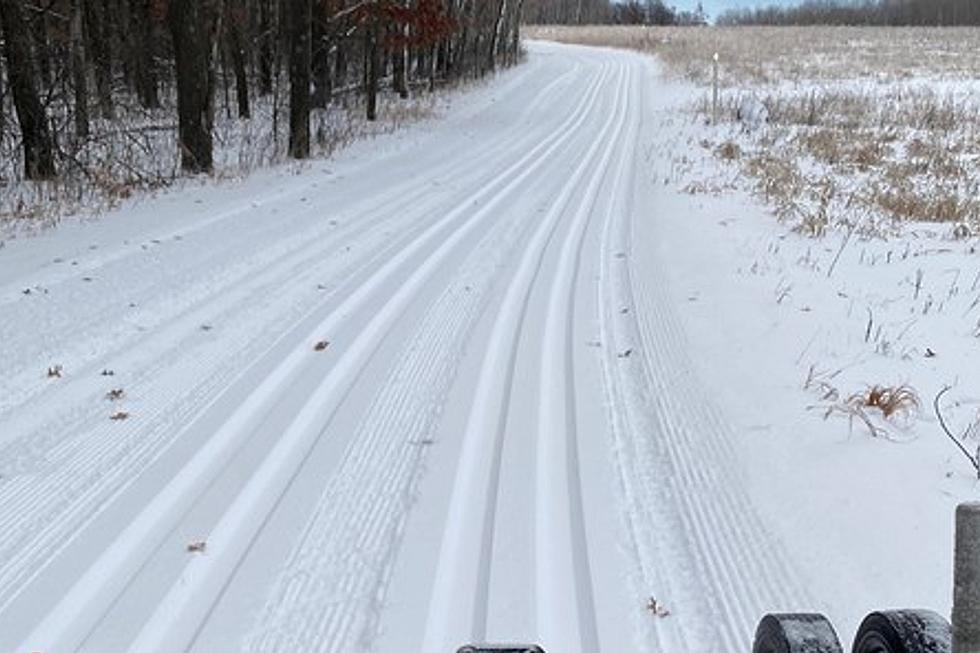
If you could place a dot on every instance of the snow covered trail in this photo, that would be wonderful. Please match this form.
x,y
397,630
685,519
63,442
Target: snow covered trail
x,y
404,401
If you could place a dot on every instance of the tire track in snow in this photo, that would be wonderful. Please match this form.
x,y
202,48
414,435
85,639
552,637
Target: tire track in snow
x,y
87,475
458,606
700,546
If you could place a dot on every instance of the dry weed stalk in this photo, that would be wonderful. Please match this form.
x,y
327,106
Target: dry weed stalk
x,y
973,458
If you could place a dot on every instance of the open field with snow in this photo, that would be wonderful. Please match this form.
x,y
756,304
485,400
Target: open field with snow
x,y
839,127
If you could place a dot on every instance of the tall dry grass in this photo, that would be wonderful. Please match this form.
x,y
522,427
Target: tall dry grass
x,y
861,123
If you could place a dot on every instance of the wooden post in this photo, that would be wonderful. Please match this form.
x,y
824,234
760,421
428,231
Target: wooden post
x,y
966,580
714,90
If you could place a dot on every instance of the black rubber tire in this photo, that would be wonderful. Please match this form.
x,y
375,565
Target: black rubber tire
x,y
904,631
497,648
796,633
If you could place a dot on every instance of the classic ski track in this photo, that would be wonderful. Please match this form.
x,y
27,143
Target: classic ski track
x,y
320,604
78,612
25,385
699,545
178,618
329,593
31,549
711,543
564,597
102,467
459,603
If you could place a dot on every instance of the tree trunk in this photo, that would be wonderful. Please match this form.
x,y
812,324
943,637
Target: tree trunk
x,y
120,22
192,52
266,46
22,76
79,80
495,35
147,78
100,46
237,47
373,64
515,46
42,48
322,82
340,63
300,54
399,56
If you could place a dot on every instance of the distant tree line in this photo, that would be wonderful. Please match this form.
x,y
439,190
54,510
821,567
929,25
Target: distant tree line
x,y
596,12
861,12
68,64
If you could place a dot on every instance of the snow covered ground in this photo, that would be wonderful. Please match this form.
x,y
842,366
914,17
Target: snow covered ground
x,y
499,377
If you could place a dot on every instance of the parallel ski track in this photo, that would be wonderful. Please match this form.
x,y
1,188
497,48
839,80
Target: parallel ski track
x,y
196,290
38,515
84,604
178,618
459,603
563,591
700,546
328,596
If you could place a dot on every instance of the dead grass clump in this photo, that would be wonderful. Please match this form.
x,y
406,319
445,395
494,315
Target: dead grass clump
x,y
868,152
888,402
779,178
728,151
935,204
836,147
825,145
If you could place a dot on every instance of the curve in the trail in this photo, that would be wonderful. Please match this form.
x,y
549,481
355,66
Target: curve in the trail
x,y
176,621
566,617
87,453
460,318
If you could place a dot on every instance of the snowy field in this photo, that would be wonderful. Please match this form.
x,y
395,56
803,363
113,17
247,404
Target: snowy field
x,y
546,369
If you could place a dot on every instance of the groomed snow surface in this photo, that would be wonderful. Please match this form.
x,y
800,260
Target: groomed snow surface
x,y
495,378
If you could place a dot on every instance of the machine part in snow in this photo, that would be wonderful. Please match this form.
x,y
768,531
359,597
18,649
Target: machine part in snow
x,y
966,579
796,633
903,631
501,648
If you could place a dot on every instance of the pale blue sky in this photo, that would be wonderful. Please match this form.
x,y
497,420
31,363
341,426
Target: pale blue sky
x,y
715,7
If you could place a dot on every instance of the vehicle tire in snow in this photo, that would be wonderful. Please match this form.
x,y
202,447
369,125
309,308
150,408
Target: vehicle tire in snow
x,y
796,633
903,631
498,648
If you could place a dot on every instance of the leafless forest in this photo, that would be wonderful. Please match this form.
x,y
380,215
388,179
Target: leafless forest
x,y
104,96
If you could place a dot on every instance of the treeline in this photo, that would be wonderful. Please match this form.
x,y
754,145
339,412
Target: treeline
x,y
606,12
861,12
68,65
